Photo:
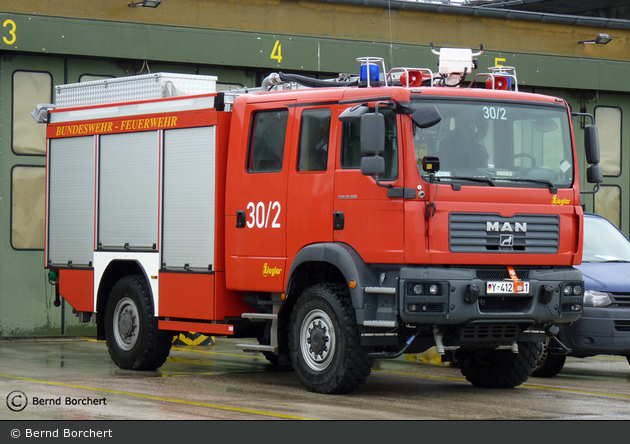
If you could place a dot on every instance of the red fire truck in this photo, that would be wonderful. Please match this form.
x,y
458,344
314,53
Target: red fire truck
x,y
333,222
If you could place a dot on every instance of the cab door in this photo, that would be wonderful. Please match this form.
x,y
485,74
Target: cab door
x,y
256,195
311,177
366,218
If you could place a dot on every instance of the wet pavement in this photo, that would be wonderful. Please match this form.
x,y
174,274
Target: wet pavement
x,y
75,379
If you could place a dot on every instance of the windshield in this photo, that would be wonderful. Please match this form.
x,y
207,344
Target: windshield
x,y
603,242
498,143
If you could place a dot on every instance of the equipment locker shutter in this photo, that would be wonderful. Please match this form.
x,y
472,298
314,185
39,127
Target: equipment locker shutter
x,y
128,190
189,198
71,201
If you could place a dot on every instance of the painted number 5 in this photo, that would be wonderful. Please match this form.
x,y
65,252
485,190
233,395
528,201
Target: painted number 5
x,y
260,214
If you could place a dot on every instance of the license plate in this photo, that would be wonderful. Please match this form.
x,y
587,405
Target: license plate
x,y
507,287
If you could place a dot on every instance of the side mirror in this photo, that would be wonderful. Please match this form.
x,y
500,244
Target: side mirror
x,y
591,144
372,134
426,117
353,114
595,174
372,166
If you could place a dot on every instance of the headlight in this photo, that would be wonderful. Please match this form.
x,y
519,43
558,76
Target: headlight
x,y
594,298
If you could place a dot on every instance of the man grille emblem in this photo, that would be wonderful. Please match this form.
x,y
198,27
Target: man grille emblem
x,y
507,240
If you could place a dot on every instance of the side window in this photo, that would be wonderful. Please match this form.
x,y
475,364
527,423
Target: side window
x,y
351,145
266,141
314,137
608,122
27,207
608,203
29,89
92,77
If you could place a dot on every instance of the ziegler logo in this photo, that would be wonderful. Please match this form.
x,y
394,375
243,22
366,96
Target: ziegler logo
x,y
555,201
517,227
267,271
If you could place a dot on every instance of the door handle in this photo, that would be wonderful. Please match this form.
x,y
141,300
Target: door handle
x,y
240,219
338,220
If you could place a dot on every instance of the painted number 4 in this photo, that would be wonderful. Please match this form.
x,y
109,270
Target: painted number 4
x,y
276,54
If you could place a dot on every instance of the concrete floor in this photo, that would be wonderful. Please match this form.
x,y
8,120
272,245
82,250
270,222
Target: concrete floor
x,y
75,379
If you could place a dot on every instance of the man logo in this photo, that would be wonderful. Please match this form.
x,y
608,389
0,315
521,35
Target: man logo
x,y
507,240
517,227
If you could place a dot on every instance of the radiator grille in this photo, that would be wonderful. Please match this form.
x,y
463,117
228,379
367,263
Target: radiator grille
x,y
621,299
492,233
490,332
499,274
504,304
622,326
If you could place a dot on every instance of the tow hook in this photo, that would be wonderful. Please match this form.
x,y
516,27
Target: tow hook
x,y
555,346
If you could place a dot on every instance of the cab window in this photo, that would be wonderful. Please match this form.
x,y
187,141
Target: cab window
x,y
266,142
351,145
314,138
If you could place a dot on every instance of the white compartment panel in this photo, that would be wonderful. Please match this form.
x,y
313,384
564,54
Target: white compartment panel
x,y
189,198
128,194
71,201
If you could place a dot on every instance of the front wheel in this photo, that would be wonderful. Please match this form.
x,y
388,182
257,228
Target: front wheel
x,y
131,329
324,341
499,368
548,365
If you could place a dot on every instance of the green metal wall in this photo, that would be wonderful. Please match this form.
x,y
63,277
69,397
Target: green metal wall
x,y
238,41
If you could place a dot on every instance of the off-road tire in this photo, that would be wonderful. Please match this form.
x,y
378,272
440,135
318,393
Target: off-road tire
x,y
499,368
131,329
548,365
324,341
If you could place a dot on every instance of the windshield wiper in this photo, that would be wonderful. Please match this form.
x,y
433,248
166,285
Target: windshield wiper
x,y
472,179
552,188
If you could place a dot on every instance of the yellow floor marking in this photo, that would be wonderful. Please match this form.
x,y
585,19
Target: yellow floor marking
x,y
529,386
452,378
158,398
581,392
395,372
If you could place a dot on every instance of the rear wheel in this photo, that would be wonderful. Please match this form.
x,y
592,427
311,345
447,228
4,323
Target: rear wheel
x,y
131,330
499,368
324,341
548,365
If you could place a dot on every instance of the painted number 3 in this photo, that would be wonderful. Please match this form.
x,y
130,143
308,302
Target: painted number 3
x,y
260,215
10,24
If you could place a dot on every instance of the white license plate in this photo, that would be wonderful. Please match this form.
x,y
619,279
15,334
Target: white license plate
x,y
507,287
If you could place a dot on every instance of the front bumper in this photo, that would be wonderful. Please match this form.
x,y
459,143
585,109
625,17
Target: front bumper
x,y
599,331
453,303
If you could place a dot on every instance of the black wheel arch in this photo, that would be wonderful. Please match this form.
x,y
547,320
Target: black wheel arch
x,y
339,262
116,270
